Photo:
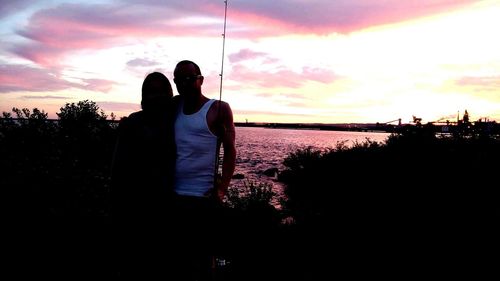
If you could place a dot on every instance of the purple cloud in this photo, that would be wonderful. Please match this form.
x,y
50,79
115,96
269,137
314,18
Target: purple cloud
x,y
8,8
46,97
265,18
327,16
21,78
57,31
15,78
141,63
70,27
245,54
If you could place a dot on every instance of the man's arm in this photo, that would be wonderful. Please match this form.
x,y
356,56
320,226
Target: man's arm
x,y
228,143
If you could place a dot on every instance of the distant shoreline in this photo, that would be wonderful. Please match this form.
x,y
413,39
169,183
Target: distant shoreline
x,y
478,127
487,128
357,127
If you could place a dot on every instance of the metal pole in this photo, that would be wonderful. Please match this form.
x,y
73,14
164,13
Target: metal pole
x,y
217,150
223,47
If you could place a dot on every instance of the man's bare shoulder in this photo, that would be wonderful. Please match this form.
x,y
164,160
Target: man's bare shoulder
x,y
225,108
221,107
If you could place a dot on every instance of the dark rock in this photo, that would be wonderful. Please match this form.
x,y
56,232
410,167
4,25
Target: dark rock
x,y
238,176
271,172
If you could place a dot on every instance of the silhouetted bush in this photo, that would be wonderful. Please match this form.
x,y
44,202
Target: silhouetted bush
x,y
254,208
414,194
55,184
255,234
407,168
57,169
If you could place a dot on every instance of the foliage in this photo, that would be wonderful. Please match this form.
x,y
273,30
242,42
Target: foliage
x,y
84,111
393,203
254,206
57,168
253,231
55,177
414,176
414,187
83,119
253,194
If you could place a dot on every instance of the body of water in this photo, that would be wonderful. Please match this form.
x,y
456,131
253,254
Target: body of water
x,y
259,149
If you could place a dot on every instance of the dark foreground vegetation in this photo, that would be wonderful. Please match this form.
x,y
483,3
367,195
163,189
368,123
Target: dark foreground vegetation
x,y
416,205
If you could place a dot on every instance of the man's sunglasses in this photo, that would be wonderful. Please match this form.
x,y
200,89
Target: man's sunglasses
x,y
187,79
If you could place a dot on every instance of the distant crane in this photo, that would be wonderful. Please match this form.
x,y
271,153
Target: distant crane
x,y
417,120
387,126
466,117
399,121
442,120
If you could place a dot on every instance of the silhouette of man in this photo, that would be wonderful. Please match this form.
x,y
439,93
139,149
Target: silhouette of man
x,y
201,126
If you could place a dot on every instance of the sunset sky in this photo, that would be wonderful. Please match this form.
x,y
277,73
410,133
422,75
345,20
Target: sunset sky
x,y
324,61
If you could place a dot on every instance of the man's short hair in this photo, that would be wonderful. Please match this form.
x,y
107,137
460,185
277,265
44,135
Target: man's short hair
x,y
184,62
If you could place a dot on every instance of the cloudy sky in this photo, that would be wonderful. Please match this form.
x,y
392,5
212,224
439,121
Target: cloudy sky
x,y
326,61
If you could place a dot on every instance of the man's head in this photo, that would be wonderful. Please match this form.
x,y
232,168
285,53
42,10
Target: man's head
x,y
156,92
188,78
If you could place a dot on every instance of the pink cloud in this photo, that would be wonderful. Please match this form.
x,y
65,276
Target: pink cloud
x,y
256,112
97,85
57,31
21,78
326,16
265,95
293,96
46,97
281,77
319,74
49,57
15,78
109,106
245,54
487,82
253,19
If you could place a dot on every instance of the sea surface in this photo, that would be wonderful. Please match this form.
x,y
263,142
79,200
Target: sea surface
x,y
259,149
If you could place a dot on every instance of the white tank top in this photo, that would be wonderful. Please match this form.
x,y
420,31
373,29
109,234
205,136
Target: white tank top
x,y
196,145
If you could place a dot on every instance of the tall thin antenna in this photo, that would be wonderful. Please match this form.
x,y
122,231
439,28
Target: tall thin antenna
x,y
217,150
223,47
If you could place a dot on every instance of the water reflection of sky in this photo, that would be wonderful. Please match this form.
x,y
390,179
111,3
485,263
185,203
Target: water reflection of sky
x,y
259,149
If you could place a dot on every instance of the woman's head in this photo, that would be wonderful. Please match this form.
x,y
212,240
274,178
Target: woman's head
x,y
156,92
